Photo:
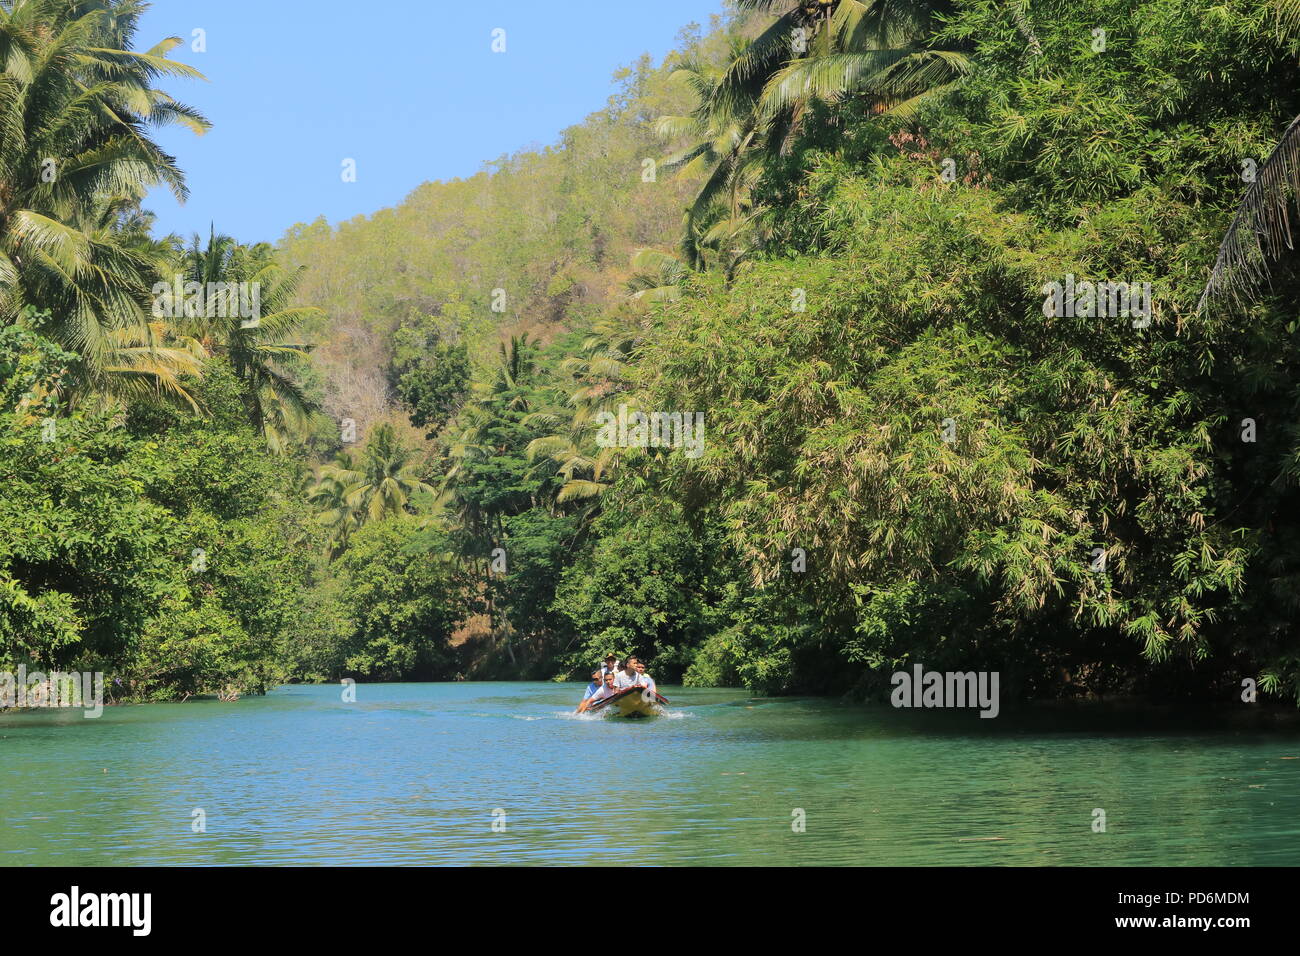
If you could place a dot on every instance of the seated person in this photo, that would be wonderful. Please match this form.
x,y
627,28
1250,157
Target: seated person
x,y
607,689
611,664
597,681
628,676
645,678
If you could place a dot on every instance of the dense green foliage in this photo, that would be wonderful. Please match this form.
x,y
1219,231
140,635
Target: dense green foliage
x,y
164,554
906,459
925,320
908,454
146,531
77,110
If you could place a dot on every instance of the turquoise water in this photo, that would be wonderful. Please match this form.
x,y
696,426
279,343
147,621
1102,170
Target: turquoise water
x,y
412,774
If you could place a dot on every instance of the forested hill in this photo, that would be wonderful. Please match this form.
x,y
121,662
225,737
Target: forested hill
x,y
537,242
853,336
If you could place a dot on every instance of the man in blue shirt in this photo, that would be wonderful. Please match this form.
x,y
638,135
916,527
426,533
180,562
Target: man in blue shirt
x,y
594,690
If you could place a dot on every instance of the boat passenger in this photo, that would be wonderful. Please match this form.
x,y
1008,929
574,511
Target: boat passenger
x,y
607,689
645,678
628,676
611,664
597,680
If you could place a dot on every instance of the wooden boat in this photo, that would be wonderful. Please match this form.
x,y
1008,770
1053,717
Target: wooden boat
x,y
631,702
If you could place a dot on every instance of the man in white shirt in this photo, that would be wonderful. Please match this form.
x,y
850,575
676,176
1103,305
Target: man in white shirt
x,y
628,677
607,689
611,664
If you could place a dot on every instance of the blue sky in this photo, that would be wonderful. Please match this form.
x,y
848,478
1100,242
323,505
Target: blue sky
x,y
410,89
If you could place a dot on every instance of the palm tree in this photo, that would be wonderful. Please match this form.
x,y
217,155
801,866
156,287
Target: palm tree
x,y
260,349
76,110
512,371
145,357
382,484
390,475
1260,232
723,133
338,500
877,48
656,276
1260,235
749,110
585,467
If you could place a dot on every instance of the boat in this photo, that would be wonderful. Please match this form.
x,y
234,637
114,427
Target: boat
x,y
631,702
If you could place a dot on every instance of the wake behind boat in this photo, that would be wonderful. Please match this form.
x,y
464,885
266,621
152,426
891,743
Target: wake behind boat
x,y
631,702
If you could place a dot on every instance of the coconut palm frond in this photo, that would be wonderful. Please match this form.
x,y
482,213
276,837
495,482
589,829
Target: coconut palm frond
x,y
1260,231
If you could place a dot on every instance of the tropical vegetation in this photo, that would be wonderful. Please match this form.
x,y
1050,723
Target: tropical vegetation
x,y
838,230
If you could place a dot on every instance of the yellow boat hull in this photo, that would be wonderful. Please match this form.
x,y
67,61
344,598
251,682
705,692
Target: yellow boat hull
x,y
631,702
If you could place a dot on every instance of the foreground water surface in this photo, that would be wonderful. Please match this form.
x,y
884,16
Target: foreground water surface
x,y
420,773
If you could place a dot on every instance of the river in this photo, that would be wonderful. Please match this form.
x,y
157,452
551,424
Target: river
x,y
504,773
